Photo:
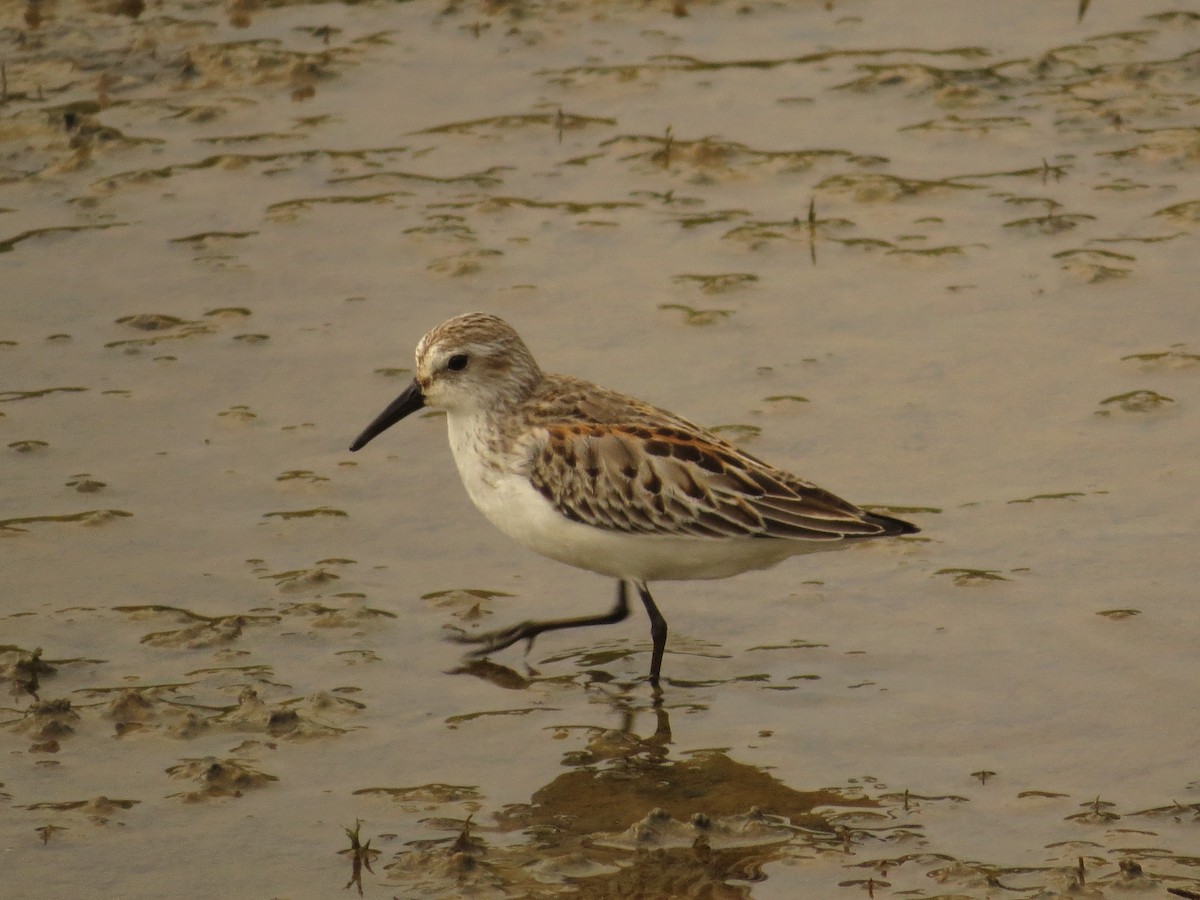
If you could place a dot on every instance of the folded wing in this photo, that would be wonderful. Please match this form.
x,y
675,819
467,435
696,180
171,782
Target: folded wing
x,y
671,481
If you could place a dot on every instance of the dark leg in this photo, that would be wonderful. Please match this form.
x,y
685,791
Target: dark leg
x,y
658,632
492,641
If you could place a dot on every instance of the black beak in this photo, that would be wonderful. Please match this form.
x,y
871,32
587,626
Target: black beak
x,y
409,402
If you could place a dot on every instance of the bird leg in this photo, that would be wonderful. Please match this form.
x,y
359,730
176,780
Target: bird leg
x,y
491,641
658,632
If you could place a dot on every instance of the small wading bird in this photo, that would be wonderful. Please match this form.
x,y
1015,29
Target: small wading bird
x,y
608,483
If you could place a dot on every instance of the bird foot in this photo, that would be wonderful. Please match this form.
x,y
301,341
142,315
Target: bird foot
x,y
491,641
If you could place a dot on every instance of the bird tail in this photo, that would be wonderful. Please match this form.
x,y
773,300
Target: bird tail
x,y
891,526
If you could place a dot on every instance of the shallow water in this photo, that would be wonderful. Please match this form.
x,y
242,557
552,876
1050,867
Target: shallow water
x,y
937,258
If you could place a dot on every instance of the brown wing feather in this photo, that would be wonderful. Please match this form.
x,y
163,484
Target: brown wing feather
x,y
614,462
673,480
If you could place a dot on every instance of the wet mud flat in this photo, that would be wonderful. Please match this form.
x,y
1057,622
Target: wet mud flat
x,y
941,261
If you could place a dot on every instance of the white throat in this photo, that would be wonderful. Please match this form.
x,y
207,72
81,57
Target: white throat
x,y
480,456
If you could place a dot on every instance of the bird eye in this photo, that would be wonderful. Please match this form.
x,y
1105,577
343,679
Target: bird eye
x,y
457,362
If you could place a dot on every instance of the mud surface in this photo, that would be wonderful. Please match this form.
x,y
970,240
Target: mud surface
x,y
939,258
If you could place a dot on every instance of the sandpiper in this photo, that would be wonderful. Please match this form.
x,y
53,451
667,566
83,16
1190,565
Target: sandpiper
x,y
607,483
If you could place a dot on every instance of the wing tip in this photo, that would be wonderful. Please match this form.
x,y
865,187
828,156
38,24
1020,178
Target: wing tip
x,y
890,526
